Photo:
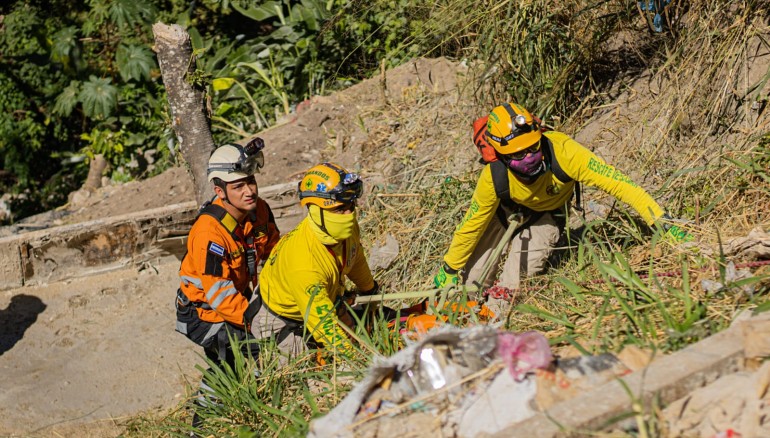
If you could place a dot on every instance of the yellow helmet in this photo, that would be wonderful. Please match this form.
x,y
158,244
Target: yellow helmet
x,y
511,128
329,186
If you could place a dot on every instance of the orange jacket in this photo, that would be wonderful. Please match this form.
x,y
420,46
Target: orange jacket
x,y
214,273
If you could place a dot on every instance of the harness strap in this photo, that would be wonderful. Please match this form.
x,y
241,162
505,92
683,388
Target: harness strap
x,y
502,190
500,181
231,225
552,163
558,172
184,301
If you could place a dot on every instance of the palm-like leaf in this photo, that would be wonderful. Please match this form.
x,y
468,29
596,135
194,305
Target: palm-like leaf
x,y
66,101
128,12
99,97
134,62
64,43
260,12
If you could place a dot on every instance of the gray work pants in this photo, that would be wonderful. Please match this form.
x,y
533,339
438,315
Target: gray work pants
x,y
287,334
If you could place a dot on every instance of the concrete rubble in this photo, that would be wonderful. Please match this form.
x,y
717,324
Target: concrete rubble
x,y
717,387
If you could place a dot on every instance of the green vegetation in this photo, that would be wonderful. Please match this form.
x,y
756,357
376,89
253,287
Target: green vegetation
x,y
80,78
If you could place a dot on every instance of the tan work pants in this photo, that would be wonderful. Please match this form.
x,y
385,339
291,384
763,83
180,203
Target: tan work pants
x,y
526,253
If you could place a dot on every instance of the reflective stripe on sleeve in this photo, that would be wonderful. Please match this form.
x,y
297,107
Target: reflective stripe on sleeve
x,y
221,297
221,284
187,280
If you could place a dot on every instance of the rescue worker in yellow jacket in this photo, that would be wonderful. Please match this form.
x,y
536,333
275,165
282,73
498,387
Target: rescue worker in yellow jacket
x,y
534,173
303,281
227,242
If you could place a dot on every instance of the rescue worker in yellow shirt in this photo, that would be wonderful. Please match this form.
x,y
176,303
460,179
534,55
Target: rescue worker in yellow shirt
x,y
533,172
303,281
227,242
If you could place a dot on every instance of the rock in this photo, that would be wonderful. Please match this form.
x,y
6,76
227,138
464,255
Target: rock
x,y
381,256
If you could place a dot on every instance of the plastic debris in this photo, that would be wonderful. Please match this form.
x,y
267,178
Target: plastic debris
x,y
524,352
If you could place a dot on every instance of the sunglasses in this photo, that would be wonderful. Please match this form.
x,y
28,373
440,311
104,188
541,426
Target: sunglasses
x,y
350,188
522,154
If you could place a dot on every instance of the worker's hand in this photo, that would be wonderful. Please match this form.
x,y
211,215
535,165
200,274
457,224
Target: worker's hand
x,y
446,276
373,291
674,232
346,318
678,234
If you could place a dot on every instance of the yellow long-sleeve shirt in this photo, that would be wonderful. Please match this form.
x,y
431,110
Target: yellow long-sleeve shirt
x,y
303,278
547,193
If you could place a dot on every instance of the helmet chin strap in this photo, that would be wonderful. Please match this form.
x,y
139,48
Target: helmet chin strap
x,y
322,225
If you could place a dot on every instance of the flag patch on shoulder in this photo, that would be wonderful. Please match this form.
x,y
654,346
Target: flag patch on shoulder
x,y
216,249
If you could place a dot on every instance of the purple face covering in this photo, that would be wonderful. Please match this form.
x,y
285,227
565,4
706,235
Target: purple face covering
x,y
529,165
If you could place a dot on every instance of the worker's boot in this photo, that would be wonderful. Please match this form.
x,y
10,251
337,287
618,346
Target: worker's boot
x,y
197,422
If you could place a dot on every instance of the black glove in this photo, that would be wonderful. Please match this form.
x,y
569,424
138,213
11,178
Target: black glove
x,y
373,291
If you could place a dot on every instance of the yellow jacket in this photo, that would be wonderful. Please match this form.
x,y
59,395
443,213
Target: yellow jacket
x,y
547,193
303,278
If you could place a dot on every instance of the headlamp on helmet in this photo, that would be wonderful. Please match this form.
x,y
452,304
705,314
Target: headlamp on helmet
x,y
511,128
329,186
232,162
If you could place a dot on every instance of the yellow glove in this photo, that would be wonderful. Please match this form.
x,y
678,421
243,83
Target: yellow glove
x,y
446,276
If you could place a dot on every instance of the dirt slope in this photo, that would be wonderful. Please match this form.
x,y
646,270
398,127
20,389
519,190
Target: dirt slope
x,y
79,357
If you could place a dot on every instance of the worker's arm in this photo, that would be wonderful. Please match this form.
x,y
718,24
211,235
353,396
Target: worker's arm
x,y
319,314
468,233
216,278
586,167
359,273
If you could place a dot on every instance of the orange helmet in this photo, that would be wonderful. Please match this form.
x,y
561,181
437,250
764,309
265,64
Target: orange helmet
x,y
329,186
511,128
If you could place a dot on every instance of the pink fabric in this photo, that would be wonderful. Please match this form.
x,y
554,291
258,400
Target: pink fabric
x,y
528,165
523,352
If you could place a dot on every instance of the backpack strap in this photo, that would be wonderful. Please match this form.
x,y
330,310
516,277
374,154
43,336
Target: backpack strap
x,y
502,190
559,173
552,163
230,224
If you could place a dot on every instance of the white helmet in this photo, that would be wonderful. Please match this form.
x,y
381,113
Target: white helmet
x,y
231,162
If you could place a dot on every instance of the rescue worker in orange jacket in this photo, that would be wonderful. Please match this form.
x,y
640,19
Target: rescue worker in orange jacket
x,y
230,237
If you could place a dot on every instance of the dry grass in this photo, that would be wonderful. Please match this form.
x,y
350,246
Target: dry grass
x,y
686,118
690,127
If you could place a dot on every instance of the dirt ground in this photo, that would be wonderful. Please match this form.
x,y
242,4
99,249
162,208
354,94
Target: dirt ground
x,y
80,357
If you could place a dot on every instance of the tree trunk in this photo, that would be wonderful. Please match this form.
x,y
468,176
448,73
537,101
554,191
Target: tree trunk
x,y
189,117
95,169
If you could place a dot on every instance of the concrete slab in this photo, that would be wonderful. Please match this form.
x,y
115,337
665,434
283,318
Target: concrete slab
x,y
10,266
665,380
